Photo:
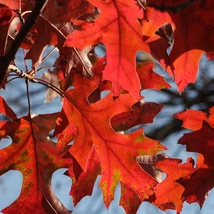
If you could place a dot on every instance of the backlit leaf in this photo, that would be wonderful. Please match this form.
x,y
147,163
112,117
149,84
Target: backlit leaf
x,y
188,45
114,28
117,152
36,160
193,119
198,185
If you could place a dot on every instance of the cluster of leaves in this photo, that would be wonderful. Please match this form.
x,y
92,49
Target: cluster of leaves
x,y
97,125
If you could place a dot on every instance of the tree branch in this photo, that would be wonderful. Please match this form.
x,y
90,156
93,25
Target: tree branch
x,y
11,52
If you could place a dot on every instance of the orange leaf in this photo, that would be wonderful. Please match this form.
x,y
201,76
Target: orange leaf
x,y
169,190
148,78
114,28
36,158
169,5
193,119
6,110
140,113
200,183
193,35
129,199
85,183
117,152
5,15
201,141
62,11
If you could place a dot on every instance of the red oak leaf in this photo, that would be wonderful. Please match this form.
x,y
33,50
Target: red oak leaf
x,y
12,25
140,113
200,183
210,55
193,119
129,199
15,4
188,45
117,152
153,20
74,171
169,190
45,31
65,10
5,15
85,182
48,34
169,5
201,141
114,28
35,156
6,110
12,4
148,78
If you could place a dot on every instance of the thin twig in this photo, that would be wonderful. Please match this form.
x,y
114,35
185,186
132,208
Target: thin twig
x,y
53,87
33,79
17,77
11,75
45,66
11,52
20,73
48,54
28,100
25,60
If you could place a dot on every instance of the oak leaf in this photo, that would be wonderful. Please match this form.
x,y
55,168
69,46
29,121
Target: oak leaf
x,y
169,190
65,10
114,28
200,141
5,15
35,156
193,119
6,110
148,78
188,45
140,113
129,199
169,5
84,184
199,183
116,151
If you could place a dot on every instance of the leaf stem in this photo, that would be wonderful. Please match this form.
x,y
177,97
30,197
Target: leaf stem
x,y
53,87
48,54
17,77
33,79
